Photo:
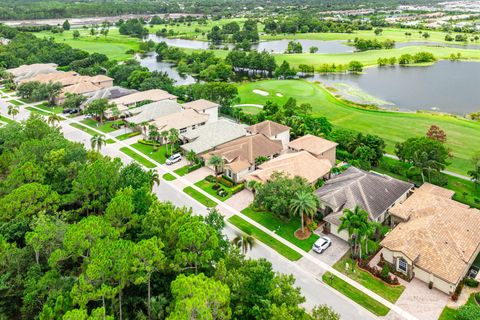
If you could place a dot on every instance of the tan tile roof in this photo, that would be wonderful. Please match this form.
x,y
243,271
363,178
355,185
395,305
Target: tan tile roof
x,y
200,105
268,128
313,144
153,95
80,88
301,164
441,235
65,78
100,78
35,68
180,120
245,150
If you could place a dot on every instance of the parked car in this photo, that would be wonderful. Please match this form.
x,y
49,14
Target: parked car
x,y
322,244
174,158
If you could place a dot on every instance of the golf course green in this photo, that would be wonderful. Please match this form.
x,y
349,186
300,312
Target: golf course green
x,y
392,126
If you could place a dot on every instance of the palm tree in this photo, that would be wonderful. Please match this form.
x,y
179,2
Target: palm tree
x,y
173,137
153,133
253,185
154,178
304,203
53,91
217,162
53,118
191,157
144,126
244,241
97,141
13,111
356,223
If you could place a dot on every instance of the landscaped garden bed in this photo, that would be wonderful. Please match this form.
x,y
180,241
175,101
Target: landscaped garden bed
x,y
128,135
219,187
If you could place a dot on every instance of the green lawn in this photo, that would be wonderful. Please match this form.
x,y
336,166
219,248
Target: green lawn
x,y
105,127
46,107
207,187
390,293
265,238
393,127
169,177
356,295
15,102
284,229
207,202
6,120
157,155
115,45
180,171
44,113
83,128
128,135
451,313
138,158
250,109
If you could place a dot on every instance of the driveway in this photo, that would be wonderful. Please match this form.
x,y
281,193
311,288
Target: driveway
x,y
240,200
199,174
421,302
334,253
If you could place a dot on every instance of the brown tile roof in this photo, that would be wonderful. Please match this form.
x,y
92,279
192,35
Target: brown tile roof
x,y
80,88
241,153
200,105
441,236
268,128
301,164
313,144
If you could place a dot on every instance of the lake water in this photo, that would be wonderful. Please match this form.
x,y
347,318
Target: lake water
x,y
280,46
446,86
150,61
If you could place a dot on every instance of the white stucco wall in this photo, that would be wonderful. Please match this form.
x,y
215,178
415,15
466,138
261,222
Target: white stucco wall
x,y
284,137
342,234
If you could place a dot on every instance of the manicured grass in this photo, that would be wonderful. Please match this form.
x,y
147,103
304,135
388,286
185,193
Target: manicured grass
x,y
265,238
199,197
157,155
180,171
250,109
451,313
128,135
393,127
138,158
115,45
284,229
356,295
168,177
6,120
390,293
46,107
43,113
104,127
83,128
15,102
207,187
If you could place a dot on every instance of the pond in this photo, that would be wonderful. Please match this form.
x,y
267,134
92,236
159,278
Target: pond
x,y
446,86
150,61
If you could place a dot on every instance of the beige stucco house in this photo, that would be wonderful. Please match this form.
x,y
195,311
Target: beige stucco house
x,y
272,130
318,147
203,106
373,192
436,239
240,154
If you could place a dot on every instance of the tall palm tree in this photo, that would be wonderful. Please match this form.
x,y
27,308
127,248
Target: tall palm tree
x,y
53,118
153,133
13,111
304,203
144,126
356,223
53,91
191,157
97,142
218,163
164,136
154,178
173,137
244,241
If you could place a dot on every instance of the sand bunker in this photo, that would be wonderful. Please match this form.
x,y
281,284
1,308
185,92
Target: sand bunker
x,y
260,92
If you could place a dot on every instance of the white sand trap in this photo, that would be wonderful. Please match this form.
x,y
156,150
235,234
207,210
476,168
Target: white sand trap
x,y
261,92
279,94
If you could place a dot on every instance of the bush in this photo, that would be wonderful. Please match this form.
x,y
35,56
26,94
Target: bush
x,y
228,179
385,273
236,189
225,182
149,143
210,178
468,312
194,167
472,283
222,192
216,187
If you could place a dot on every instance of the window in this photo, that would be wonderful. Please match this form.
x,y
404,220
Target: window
x,y
183,130
402,265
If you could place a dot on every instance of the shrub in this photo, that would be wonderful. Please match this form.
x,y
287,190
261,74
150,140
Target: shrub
x,y
194,167
225,182
149,143
210,178
222,192
472,283
216,187
228,179
385,274
468,312
236,189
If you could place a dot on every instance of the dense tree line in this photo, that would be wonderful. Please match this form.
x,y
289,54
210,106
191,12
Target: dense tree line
x,y
132,27
373,44
232,33
83,237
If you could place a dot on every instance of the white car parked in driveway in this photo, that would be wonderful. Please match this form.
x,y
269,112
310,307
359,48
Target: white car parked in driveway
x,y
322,244
174,158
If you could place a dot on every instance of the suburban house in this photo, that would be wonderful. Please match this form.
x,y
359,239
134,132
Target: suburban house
x,y
436,239
373,192
150,112
301,164
27,71
65,78
107,93
184,121
131,100
204,106
101,81
211,135
272,130
79,88
240,154
318,147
